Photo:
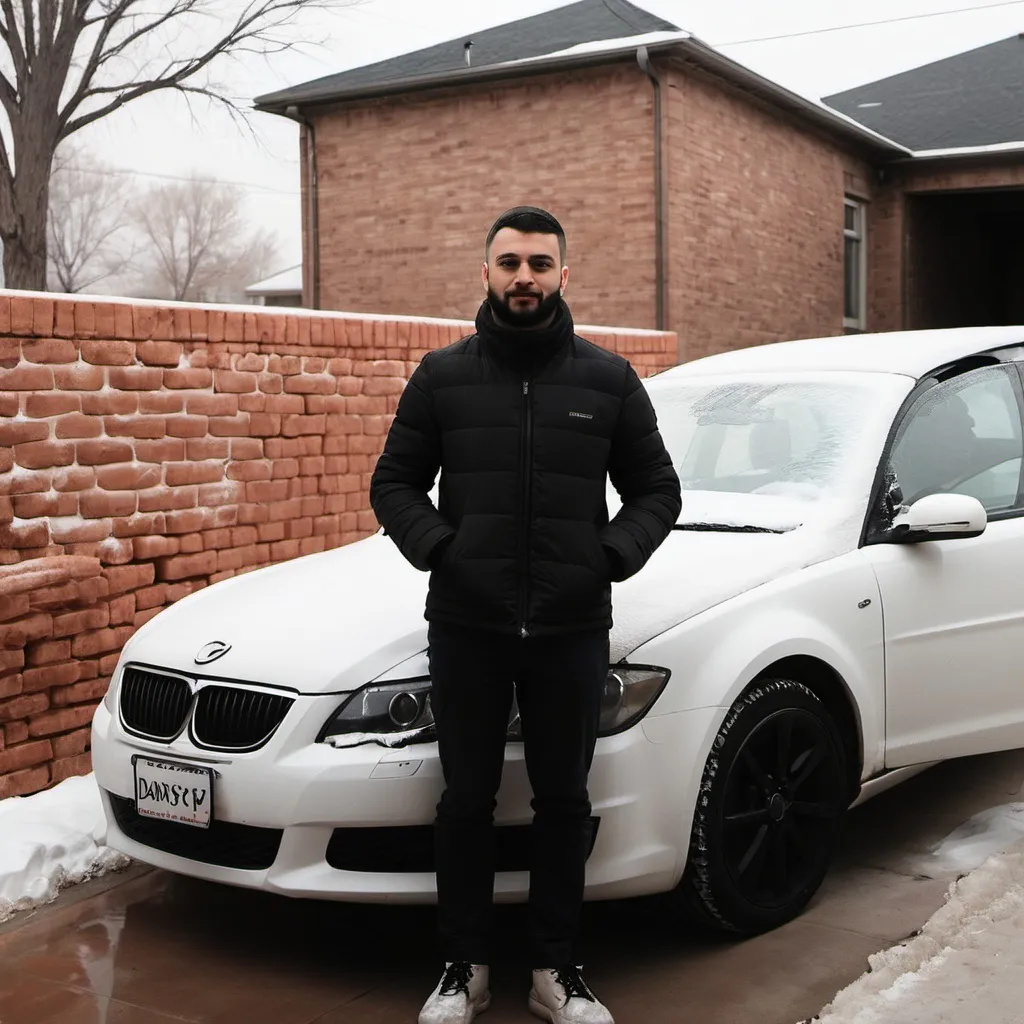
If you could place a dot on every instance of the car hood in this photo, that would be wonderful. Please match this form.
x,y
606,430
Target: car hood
x,y
330,622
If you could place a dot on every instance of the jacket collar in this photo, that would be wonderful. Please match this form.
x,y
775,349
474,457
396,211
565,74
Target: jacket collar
x,y
524,349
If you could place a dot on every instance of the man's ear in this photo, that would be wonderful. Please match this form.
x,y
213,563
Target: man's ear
x,y
565,278
483,275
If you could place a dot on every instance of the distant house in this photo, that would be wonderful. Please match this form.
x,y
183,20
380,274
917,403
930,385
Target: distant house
x,y
697,195
281,289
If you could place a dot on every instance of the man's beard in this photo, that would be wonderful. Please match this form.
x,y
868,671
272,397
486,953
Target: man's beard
x,y
523,318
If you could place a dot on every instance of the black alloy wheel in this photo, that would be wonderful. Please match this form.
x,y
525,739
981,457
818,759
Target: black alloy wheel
x,y
768,812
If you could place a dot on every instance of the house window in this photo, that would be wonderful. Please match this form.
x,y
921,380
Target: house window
x,y
854,266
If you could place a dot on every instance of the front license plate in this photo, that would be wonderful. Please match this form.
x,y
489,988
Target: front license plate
x,y
173,791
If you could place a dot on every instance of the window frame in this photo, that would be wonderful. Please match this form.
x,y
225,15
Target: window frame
x,y
858,234
876,530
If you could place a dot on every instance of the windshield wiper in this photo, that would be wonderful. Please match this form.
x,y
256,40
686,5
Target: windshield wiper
x,y
726,528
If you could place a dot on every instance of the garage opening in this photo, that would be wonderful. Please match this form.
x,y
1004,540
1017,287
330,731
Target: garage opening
x,y
965,259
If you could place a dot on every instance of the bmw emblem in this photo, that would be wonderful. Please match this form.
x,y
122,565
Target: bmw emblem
x,y
211,652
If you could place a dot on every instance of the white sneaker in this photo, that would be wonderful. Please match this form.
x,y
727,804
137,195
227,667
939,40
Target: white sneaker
x,y
561,996
460,995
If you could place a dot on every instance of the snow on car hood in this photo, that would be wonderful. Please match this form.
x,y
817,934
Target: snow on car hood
x,y
331,622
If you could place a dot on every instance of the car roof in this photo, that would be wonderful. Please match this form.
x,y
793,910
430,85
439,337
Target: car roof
x,y
908,353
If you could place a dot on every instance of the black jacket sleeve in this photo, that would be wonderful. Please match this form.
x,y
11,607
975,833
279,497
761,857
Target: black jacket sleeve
x,y
641,471
405,473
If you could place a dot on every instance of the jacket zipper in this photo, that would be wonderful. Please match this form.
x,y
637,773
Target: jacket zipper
x,y
524,521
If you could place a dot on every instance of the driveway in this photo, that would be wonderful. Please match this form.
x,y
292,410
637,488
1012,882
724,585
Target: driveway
x,y
146,947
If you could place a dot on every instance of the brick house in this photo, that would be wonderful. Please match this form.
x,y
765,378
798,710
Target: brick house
x,y
697,196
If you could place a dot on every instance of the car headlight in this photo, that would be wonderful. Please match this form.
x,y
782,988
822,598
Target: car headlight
x,y
398,713
391,714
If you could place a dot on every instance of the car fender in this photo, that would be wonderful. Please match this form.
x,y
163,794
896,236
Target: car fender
x,y
830,611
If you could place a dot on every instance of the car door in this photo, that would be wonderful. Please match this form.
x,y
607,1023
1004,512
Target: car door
x,y
953,609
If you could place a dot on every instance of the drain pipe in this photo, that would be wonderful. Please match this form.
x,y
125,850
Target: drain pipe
x,y
314,202
644,61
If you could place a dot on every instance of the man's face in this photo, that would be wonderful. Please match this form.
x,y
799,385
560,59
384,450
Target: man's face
x,y
524,277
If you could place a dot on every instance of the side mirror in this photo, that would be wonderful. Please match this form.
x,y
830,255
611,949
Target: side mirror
x,y
939,516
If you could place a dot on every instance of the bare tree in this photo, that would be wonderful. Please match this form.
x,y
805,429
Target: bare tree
x,y
196,243
67,63
87,237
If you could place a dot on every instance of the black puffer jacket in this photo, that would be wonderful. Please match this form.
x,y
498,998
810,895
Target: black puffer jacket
x,y
526,427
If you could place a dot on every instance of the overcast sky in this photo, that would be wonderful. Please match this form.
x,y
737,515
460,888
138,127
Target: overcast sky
x,y
157,135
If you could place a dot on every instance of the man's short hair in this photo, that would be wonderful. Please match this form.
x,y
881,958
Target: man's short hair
x,y
529,220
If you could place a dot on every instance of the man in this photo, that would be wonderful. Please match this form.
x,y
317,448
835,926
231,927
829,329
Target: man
x,y
525,421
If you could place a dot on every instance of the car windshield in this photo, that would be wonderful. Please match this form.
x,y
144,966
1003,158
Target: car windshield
x,y
782,439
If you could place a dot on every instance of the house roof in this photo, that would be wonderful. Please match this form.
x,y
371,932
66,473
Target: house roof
x,y
972,99
586,33
580,22
285,282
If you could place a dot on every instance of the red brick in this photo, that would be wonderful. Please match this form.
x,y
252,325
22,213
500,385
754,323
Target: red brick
x,y
129,577
96,453
122,609
26,378
94,642
10,686
180,567
139,526
252,470
211,405
176,473
72,743
73,623
191,377
155,547
187,426
30,506
150,597
230,426
262,424
62,720
193,542
74,478
49,651
77,425
141,618
48,403
233,381
21,314
167,450
108,353
70,767
164,499
15,732
78,377
244,448
47,676
125,477
135,378
44,454
89,690
116,551
32,780
99,504
310,384
22,707
210,448
110,403
22,431
161,402
50,350
159,353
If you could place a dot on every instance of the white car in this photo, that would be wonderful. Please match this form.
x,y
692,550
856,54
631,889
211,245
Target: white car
x,y
838,605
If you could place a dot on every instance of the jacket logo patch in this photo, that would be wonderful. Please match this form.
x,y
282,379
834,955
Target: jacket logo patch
x,y
582,415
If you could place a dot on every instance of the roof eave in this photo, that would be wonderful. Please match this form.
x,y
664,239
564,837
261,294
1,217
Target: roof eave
x,y
691,48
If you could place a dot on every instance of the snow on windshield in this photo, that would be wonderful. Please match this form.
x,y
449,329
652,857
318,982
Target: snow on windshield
x,y
778,443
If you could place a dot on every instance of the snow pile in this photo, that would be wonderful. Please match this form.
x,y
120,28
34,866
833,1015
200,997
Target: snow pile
x,y
965,965
969,845
50,840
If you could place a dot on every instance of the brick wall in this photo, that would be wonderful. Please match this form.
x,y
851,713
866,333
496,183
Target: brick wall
x,y
149,451
413,182
756,220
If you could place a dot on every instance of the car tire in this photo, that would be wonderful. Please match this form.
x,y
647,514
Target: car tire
x,y
768,813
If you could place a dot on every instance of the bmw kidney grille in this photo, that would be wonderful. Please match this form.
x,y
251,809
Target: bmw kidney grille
x,y
158,706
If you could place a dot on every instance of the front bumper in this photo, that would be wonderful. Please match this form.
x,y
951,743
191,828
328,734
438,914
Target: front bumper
x,y
642,792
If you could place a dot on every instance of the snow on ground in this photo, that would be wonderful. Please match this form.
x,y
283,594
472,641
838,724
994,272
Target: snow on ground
x,y
49,841
965,965
969,845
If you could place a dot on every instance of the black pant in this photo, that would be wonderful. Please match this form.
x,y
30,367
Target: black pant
x,y
558,683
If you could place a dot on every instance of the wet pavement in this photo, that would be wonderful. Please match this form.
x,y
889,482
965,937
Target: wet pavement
x,y
147,947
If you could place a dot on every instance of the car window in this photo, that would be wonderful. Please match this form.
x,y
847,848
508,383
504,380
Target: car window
x,y
963,436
